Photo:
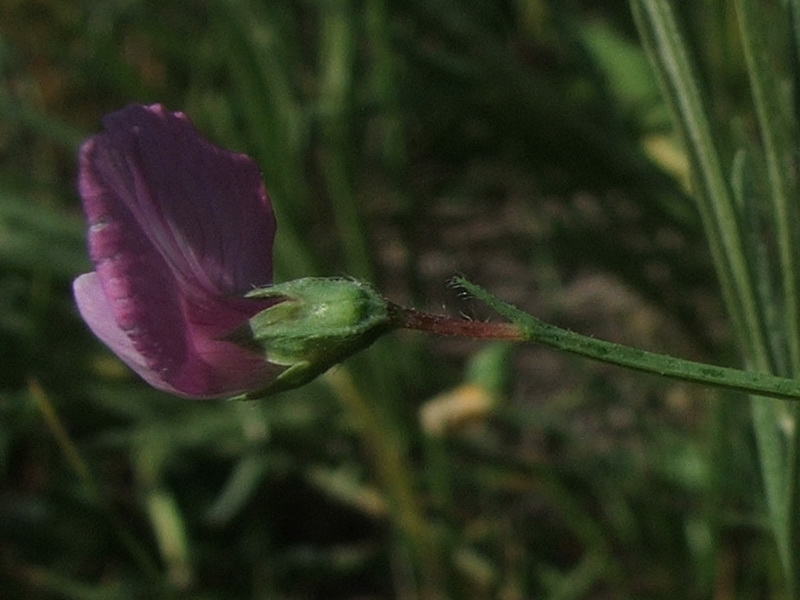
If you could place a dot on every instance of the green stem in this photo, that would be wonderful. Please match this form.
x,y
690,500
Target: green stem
x,y
777,134
671,56
673,59
534,330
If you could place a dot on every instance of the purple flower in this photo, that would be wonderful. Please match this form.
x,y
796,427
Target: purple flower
x,y
179,231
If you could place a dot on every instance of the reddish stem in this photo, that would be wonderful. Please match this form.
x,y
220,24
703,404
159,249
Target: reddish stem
x,y
410,318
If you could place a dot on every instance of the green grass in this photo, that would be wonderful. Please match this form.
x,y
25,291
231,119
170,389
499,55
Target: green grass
x,y
403,143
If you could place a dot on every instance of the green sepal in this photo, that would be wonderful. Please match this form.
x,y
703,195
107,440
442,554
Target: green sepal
x,y
317,323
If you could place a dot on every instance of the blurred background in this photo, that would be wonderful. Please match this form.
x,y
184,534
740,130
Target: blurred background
x,y
520,143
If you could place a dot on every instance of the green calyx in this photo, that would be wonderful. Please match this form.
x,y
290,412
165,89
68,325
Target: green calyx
x,y
317,323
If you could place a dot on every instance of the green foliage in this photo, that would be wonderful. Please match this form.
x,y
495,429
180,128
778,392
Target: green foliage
x,y
524,144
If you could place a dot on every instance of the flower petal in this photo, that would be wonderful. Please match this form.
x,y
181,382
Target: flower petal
x,y
205,209
179,229
98,314
215,369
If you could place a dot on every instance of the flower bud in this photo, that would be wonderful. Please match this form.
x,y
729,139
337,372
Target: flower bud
x,y
317,323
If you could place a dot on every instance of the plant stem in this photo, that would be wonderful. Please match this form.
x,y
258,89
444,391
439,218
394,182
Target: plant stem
x,y
777,134
527,328
675,66
410,318
779,138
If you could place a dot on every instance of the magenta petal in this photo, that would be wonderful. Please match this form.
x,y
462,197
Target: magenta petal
x,y
96,311
205,208
235,370
179,230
